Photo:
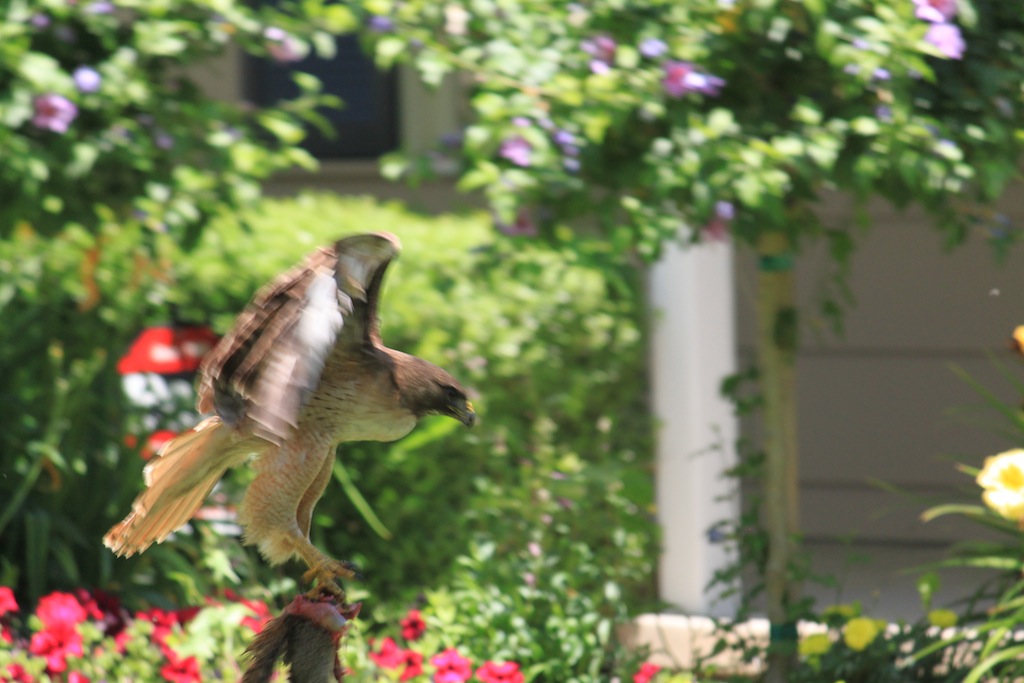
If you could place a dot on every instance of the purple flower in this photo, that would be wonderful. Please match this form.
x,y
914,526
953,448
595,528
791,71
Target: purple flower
x,y
602,49
564,137
571,165
40,20
100,7
53,112
948,39
282,46
380,24
883,112
682,78
521,122
653,47
163,139
517,150
717,228
935,11
881,74
87,79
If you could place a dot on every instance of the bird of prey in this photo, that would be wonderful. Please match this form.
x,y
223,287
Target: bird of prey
x,y
302,370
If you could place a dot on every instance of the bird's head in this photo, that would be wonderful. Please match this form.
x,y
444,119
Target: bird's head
x,y
429,390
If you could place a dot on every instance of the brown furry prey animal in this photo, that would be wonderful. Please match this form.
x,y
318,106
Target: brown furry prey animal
x,y
302,370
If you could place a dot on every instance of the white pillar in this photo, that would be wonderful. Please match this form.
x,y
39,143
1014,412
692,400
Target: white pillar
x,y
693,348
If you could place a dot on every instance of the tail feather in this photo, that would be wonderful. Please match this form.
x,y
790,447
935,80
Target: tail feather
x,y
178,481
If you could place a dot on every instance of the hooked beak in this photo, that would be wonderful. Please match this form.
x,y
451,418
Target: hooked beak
x,y
464,413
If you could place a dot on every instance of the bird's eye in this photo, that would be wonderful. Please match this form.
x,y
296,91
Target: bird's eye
x,y
451,392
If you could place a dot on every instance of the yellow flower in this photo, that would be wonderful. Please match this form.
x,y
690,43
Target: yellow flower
x,y
859,632
1002,477
943,618
815,645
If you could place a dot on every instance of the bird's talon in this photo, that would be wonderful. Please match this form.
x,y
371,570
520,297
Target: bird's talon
x,y
325,574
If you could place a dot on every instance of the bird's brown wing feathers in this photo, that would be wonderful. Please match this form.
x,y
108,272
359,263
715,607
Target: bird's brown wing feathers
x,y
265,367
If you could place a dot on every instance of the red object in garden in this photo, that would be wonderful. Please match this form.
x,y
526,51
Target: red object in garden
x,y
507,672
168,350
413,625
7,601
646,672
451,667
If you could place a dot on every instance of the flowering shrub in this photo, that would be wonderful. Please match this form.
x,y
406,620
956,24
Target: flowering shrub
x,y
101,122
674,107
853,647
86,637
431,656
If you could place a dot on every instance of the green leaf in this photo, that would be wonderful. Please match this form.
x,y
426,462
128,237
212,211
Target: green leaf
x,y
388,50
865,125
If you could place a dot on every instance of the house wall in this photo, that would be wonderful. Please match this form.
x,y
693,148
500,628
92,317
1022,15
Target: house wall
x,y
882,407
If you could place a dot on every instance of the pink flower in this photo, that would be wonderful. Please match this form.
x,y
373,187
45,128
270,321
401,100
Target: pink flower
x,y
77,677
507,672
682,78
602,49
60,611
282,46
53,112
935,11
55,645
646,672
413,625
948,39
7,601
517,150
451,667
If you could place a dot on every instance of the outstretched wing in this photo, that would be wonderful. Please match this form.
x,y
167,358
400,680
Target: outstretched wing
x,y
264,369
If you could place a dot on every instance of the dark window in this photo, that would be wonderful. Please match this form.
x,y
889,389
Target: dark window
x,y
366,126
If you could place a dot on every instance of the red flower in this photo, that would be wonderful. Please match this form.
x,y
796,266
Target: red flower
x,y
492,672
7,601
164,623
60,611
413,662
5,635
389,656
260,612
55,645
413,625
451,667
181,670
77,677
155,442
18,674
646,673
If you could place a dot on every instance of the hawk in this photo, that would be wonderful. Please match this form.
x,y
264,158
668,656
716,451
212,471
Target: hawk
x,y
302,370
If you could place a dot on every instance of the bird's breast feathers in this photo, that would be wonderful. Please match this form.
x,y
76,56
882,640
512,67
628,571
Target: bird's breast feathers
x,y
354,404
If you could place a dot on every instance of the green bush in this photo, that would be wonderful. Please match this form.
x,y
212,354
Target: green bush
x,y
100,118
559,464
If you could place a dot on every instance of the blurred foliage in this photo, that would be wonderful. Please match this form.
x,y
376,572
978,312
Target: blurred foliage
x,y
646,115
552,350
102,119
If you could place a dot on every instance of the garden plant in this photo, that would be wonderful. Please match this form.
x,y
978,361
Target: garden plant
x,y
663,120
605,128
